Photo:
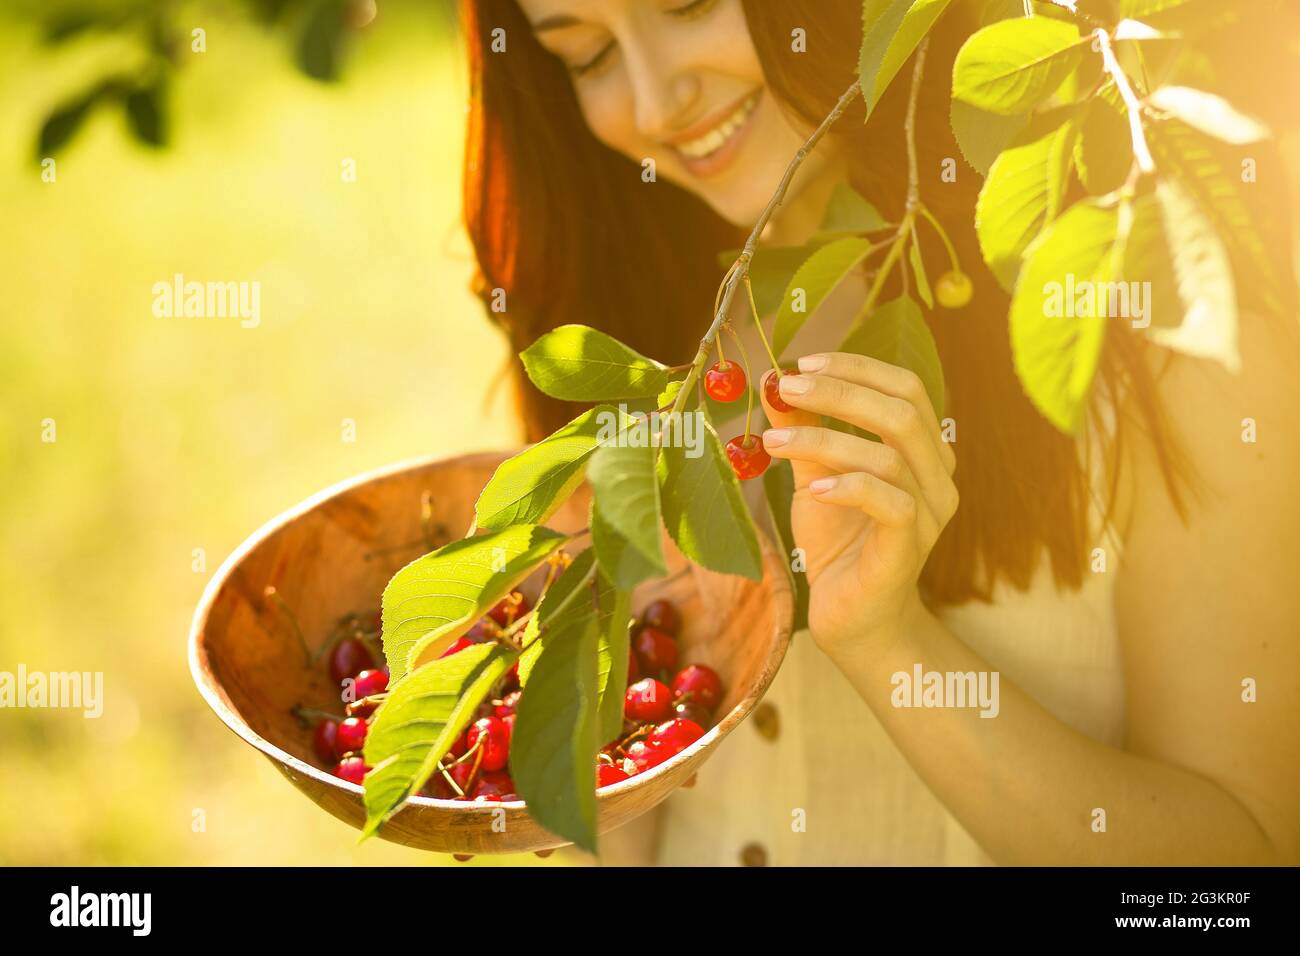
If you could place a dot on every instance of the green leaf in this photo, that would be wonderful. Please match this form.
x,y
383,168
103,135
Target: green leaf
x,y
321,44
1205,282
579,364
146,114
669,395
62,125
1055,349
704,510
445,592
627,566
1103,151
531,486
626,494
982,135
1011,66
849,212
813,282
896,333
778,492
1212,115
558,603
612,649
918,271
891,31
1022,188
554,742
419,721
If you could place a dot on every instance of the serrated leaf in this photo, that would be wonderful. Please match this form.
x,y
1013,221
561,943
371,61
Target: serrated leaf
x,y
418,722
1055,351
626,493
580,364
1103,152
612,649
1018,196
918,271
1205,282
531,486
1212,115
704,510
1011,66
778,492
891,31
849,212
559,601
626,566
442,594
813,282
982,135
554,742
897,333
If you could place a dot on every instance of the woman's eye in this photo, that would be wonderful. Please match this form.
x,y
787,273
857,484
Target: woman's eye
x,y
582,69
696,8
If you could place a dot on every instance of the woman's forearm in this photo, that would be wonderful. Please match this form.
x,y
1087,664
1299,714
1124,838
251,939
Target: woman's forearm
x,y
1028,787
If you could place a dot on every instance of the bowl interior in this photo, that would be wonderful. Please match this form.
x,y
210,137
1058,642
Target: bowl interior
x,y
333,555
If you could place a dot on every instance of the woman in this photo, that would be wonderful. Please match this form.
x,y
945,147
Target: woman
x,y
1129,590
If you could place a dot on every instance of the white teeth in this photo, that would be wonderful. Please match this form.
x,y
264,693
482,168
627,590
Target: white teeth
x,y
717,137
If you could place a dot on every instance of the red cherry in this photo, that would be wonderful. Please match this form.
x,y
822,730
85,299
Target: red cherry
x,y
748,458
508,704
351,736
322,740
693,712
662,616
494,786
656,651
456,646
675,735
772,390
370,682
698,683
463,775
510,608
348,659
458,747
645,755
496,743
351,769
608,774
647,701
725,382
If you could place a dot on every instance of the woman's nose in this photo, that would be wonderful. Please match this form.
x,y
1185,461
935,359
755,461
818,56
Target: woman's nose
x,y
663,97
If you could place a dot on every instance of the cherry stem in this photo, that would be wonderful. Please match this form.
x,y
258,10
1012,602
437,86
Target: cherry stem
x,y
758,322
308,714
292,618
943,234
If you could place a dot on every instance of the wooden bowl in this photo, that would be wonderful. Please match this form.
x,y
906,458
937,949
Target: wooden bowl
x,y
333,554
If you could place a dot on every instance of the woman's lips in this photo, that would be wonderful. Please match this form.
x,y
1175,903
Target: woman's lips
x,y
713,151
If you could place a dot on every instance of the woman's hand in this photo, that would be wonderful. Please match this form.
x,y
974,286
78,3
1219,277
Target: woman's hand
x,y
865,513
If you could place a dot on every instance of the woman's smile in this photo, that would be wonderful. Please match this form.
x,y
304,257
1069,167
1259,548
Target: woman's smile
x,y
712,145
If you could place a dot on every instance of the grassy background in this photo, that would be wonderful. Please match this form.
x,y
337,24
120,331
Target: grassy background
x,y
177,434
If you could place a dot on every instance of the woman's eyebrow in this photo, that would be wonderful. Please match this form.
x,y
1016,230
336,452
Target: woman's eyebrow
x,y
557,22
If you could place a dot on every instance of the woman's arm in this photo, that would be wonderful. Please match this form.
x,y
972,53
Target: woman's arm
x,y
1206,777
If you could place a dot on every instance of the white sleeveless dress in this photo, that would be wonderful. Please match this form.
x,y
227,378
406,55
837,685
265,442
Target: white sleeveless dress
x,y
861,802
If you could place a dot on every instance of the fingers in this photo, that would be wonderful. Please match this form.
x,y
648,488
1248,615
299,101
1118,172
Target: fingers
x,y
889,505
840,452
804,471
891,380
896,420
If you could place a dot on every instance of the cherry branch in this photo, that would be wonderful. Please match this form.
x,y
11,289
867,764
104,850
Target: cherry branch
x,y
740,268
1140,149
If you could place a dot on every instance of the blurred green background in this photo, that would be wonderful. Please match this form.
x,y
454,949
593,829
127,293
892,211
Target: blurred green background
x,y
176,434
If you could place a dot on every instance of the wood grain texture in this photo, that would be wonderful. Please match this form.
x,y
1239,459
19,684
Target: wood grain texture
x,y
333,554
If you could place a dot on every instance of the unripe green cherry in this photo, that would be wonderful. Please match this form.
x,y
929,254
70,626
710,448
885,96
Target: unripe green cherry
x,y
954,290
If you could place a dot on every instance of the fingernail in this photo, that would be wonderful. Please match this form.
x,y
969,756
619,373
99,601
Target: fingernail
x,y
822,484
776,437
812,363
794,385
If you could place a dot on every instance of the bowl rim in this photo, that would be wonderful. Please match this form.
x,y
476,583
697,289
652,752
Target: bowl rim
x,y
215,696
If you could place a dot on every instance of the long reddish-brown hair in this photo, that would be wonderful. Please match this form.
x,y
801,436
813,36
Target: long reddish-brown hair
x,y
568,230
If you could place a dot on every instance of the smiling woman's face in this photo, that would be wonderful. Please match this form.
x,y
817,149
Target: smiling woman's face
x,y
679,82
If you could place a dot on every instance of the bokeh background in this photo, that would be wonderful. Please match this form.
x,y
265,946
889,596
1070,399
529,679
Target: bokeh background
x,y
178,434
